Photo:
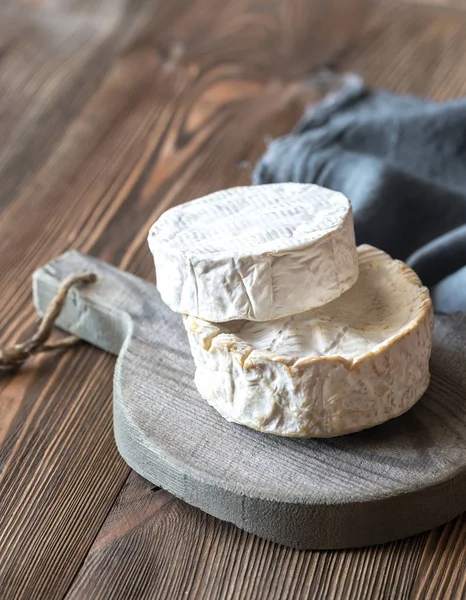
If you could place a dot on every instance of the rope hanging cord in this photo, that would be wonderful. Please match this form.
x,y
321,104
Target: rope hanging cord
x,y
13,357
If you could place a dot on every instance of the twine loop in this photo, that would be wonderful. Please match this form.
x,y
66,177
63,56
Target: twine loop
x,y
12,357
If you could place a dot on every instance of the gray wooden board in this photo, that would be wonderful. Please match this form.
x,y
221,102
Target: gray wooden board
x,y
389,482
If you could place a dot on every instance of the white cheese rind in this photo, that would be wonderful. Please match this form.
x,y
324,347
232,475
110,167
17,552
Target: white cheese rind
x,y
367,373
256,252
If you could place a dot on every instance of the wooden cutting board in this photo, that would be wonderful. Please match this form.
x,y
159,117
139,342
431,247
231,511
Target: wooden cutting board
x,y
389,482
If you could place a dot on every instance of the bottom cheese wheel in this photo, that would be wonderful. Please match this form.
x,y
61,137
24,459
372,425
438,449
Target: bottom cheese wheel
x,y
346,366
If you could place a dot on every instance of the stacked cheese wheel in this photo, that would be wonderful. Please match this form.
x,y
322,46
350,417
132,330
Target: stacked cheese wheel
x,y
293,329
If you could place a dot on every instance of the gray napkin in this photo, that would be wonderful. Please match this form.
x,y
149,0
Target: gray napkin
x,y
401,160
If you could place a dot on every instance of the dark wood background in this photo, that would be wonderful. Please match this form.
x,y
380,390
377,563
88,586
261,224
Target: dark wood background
x,y
110,112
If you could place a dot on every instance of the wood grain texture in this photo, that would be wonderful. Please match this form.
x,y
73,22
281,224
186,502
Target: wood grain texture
x,y
441,572
111,111
389,482
171,550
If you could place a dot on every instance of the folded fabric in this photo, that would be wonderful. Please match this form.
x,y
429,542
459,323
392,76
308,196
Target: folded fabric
x,y
401,160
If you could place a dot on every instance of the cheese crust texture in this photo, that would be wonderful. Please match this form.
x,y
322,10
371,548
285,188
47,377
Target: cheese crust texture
x,y
256,252
359,361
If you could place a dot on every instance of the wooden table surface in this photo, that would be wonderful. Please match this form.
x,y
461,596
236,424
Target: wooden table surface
x,y
110,112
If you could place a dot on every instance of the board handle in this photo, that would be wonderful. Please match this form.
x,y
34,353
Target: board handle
x,y
103,313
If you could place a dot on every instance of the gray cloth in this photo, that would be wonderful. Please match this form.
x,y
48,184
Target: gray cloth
x,y
401,160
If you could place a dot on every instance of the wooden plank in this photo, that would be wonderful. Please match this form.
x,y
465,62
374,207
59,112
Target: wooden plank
x,y
442,566
56,430
53,495
414,49
153,544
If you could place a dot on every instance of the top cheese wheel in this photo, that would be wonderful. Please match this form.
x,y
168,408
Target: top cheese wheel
x,y
257,253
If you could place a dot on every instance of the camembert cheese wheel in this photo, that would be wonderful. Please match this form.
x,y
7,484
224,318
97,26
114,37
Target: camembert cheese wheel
x,y
340,368
256,252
